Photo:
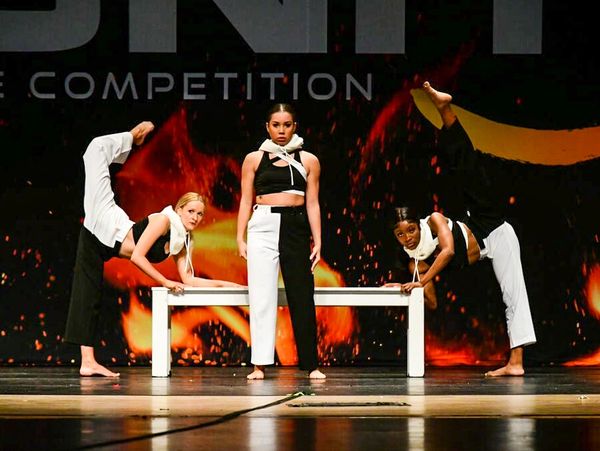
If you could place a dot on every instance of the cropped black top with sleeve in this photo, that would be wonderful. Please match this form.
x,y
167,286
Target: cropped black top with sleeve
x,y
156,253
461,256
270,178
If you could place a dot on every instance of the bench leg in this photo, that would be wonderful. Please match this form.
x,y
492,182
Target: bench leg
x,y
416,334
161,335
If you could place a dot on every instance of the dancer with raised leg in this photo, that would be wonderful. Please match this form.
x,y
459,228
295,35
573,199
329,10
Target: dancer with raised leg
x,y
437,242
108,232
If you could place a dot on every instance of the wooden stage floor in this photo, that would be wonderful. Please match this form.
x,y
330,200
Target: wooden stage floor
x,y
356,408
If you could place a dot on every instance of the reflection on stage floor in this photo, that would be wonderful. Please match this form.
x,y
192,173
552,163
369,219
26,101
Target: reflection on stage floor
x,y
355,408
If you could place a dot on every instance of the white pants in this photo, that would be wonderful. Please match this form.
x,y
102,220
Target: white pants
x,y
502,247
103,217
263,274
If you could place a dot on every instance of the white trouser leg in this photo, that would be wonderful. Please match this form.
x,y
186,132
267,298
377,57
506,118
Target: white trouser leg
x,y
263,272
504,250
103,217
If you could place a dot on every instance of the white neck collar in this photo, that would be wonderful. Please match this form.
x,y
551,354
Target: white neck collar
x,y
427,243
179,237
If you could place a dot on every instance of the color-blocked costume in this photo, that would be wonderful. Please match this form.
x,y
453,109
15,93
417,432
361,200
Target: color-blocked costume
x,y
105,226
279,237
496,237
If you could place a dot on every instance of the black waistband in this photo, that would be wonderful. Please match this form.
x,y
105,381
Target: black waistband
x,y
289,210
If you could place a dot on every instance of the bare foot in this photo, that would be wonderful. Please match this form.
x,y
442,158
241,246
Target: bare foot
x,y
316,374
439,99
96,369
140,131
257,374
507,370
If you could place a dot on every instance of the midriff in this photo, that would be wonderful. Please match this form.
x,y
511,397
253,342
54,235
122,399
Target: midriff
x,y
280,199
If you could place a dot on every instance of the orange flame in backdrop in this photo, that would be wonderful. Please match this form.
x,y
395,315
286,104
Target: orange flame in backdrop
x,y
591,360
593,291
457,353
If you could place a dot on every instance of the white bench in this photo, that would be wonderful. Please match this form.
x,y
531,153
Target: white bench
x,y
163,300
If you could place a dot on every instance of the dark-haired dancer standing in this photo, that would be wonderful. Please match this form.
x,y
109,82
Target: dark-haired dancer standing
x,y
282,181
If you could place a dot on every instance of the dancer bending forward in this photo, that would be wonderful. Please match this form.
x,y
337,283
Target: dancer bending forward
x,y
437,242
108,232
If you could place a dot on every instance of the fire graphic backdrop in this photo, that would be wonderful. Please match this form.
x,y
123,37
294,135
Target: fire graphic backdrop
x,y
376,153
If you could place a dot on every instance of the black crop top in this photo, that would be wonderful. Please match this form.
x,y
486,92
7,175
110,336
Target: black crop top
x,y
461,257
270,178
156,253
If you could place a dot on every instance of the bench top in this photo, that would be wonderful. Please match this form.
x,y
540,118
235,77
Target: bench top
x,y
324,296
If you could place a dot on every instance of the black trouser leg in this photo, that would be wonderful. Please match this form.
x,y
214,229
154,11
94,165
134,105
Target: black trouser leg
x,y
472,182
294,249
86,291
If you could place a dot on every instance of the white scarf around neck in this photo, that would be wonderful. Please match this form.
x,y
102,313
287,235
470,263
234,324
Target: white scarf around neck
x,y
424,249
427,243
283,152
179,237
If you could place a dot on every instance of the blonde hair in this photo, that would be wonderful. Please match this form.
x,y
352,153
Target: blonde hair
x,y
188,197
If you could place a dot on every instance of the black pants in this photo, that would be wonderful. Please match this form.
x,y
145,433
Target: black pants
x,y
478,207
86,291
